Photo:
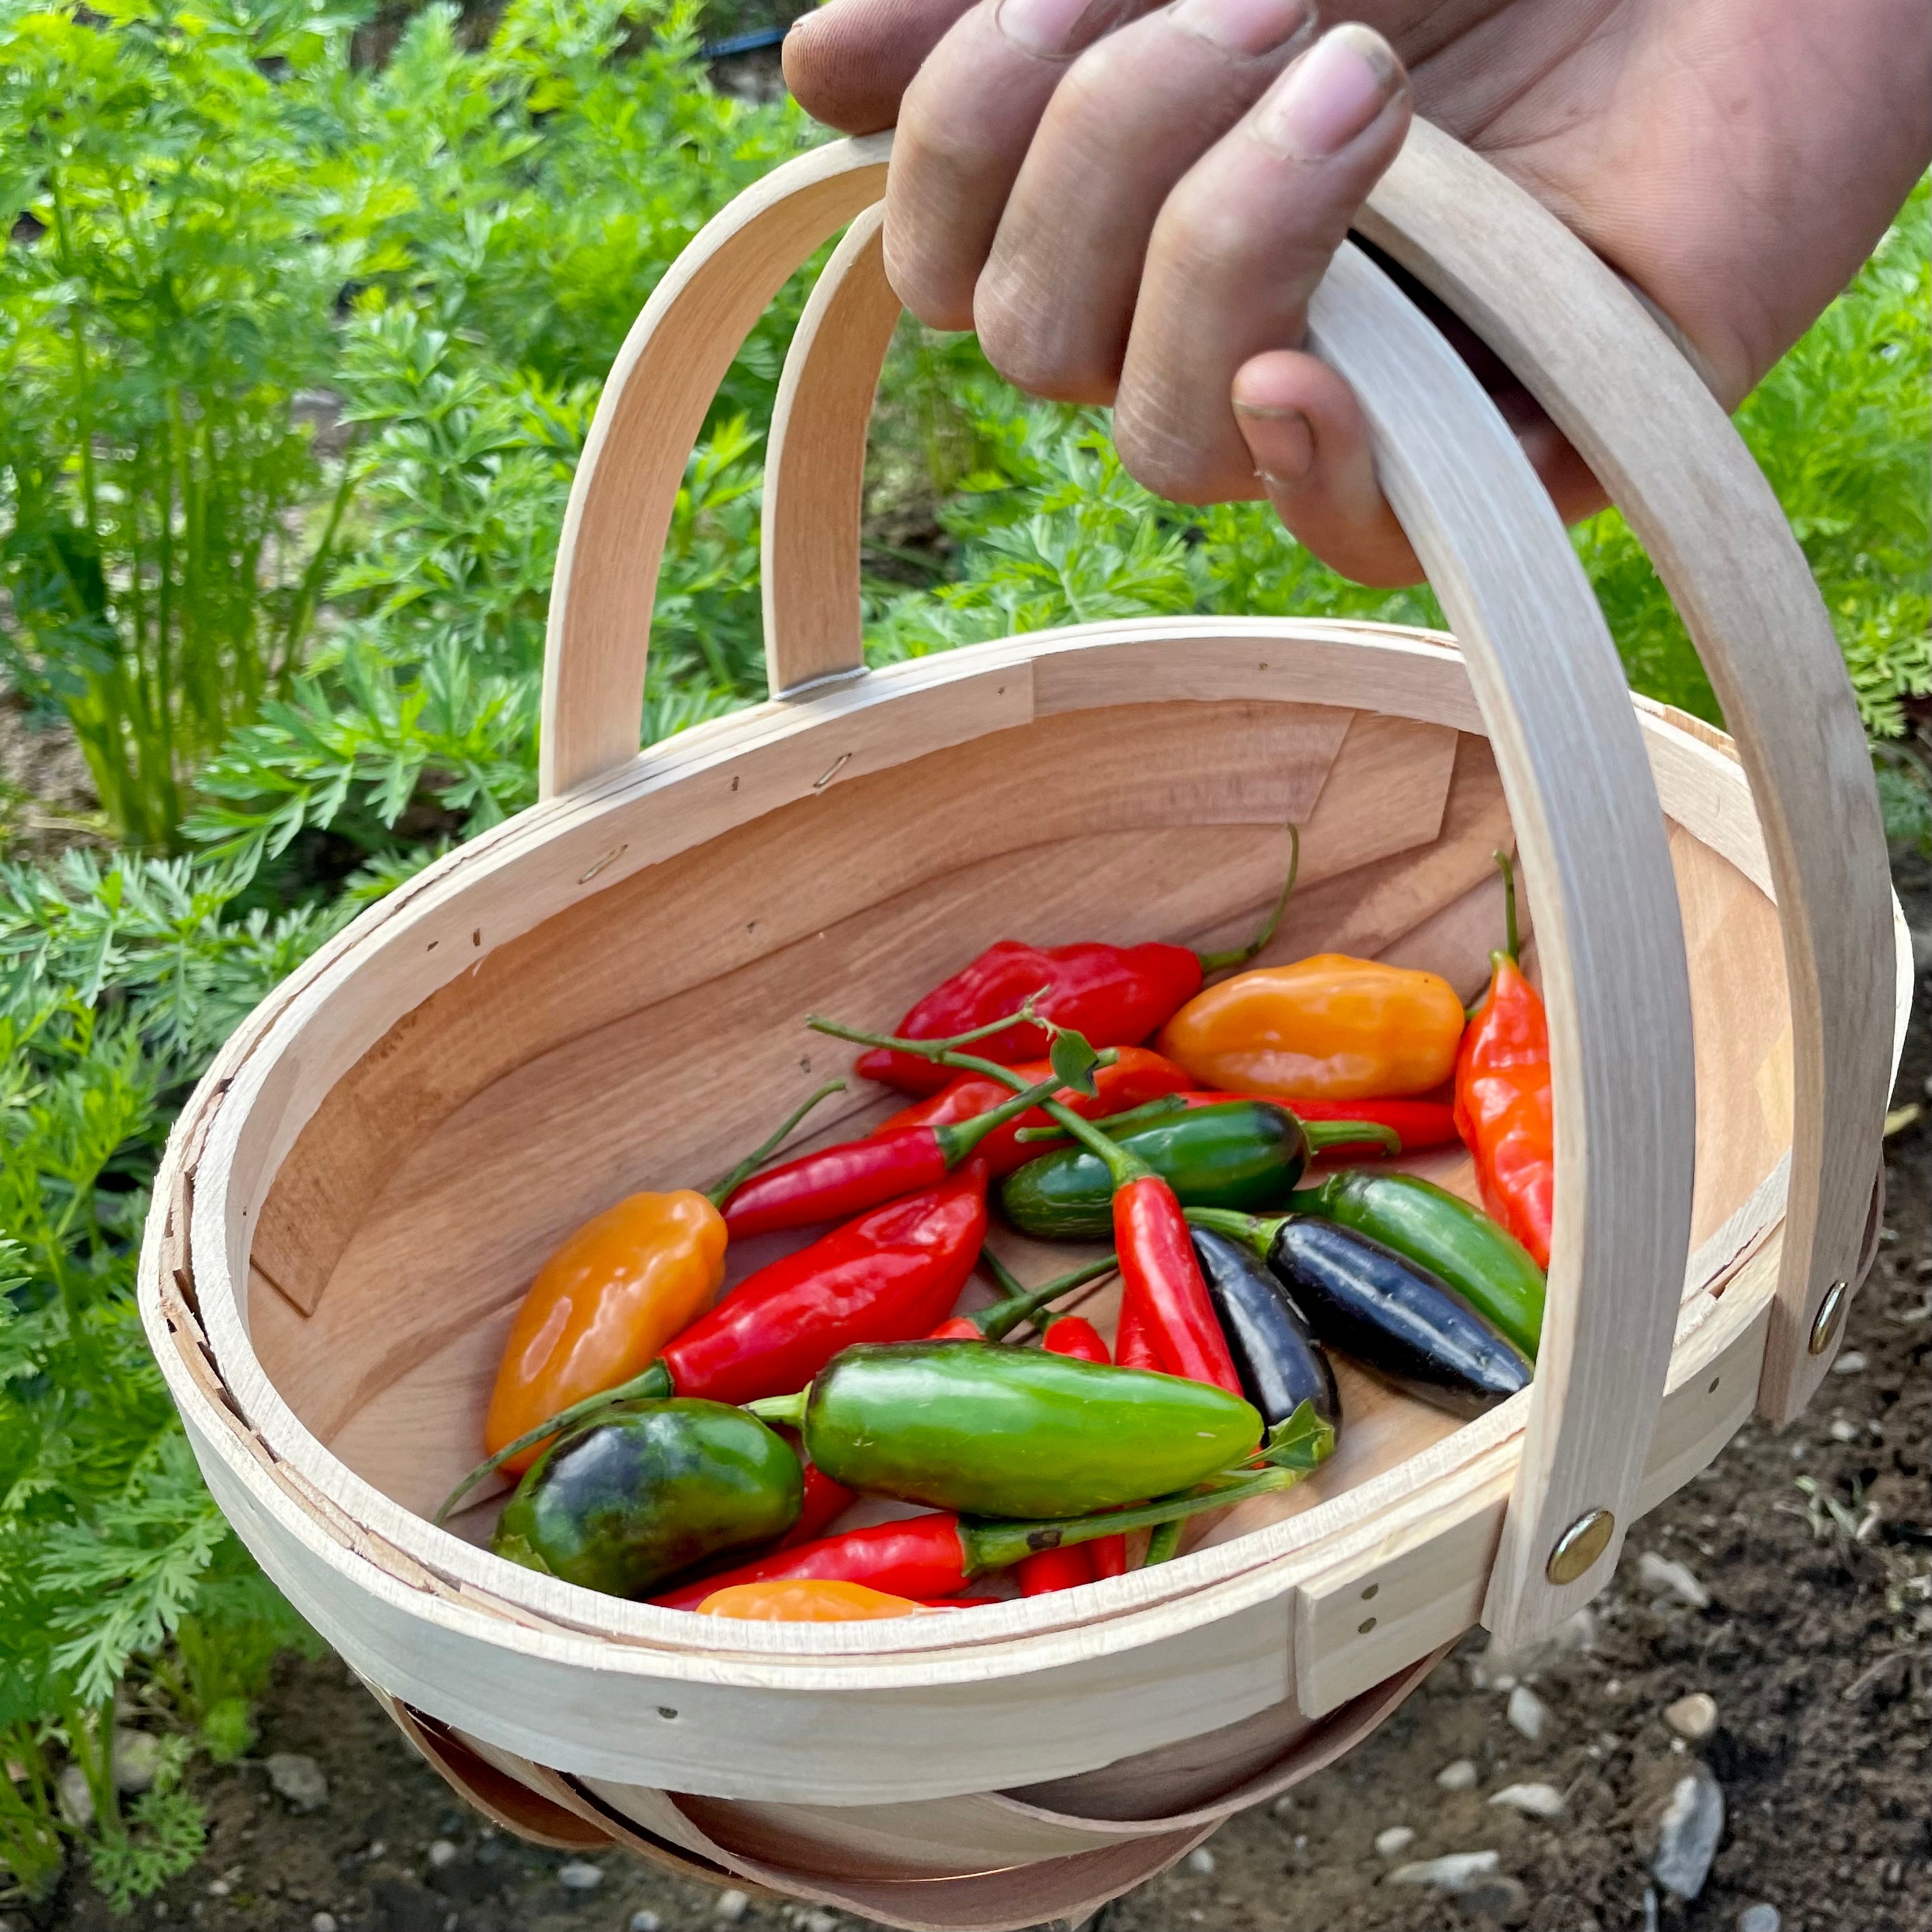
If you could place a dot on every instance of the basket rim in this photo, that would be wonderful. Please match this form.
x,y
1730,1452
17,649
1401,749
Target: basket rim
x,y
1194,1590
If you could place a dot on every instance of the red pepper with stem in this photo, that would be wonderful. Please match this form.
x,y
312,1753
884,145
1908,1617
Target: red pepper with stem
x,y
1137,1075
1162,1280
1503,1107
940,1554
887,1277
1113,995
833,1183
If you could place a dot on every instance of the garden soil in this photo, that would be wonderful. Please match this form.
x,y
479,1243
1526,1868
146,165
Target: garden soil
x,y
1813,1546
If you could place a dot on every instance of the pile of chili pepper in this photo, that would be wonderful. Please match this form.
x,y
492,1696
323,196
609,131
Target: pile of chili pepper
x,y
697,1448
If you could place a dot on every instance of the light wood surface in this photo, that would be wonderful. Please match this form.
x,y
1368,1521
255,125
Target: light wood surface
x,y
815,464
1652,433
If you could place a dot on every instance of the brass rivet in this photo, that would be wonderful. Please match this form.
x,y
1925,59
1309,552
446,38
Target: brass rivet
x,y
1830,1313
1580,1546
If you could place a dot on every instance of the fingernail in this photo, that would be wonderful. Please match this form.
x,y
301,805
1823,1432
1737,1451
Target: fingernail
x,y
1054,27
1246,26
1330,94
1282,443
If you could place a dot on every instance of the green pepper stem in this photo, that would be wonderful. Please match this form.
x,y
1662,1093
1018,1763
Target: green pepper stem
x,y
1163,1544
998,1321
1506,865
1219,962
939,1050
654,1385
1323,1134
958,1138
788,1409
1259,1233
988,1544
1115,1123
1008,1284
1122,1165
724,1190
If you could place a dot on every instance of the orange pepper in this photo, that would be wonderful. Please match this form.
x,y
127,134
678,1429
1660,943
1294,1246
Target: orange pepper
x,y
806,1600
603,1306
1328,1028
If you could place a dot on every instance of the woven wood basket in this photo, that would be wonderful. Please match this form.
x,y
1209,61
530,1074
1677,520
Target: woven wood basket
x,y
357,1195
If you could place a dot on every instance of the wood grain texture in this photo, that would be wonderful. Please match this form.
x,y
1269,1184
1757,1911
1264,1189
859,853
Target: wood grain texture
x,y
652,407
815,464
1652,432
1597,870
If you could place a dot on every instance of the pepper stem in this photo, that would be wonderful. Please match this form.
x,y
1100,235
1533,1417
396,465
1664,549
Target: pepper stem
x,y
1122,1165
1320,1134
653,1385
1507,866
1008,1284
1219,962
998,1321
724,1190
991,1545
1259,1233
1163,1544
1115,1123
788,1409
958,1138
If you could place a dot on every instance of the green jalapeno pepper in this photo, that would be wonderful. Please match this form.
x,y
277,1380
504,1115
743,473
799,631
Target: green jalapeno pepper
x,y
648,1490
1480,1259
1244,1154
1012,1432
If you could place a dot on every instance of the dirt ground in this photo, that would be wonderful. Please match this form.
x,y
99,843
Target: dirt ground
x,y
1814,1547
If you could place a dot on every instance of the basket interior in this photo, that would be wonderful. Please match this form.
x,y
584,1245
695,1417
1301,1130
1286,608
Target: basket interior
x,y
645,1038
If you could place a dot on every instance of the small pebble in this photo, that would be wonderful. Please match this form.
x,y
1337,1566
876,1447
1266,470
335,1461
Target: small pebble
x,y
1694,1716
819,1921
1842,1431
1456,1871
1533,1801
1501,1897
579,1875
732,1906
1688,1833
1759,1918
644,1922
74,1796
1201,1860
1665,1573
323,1921
1394,1842
442,1853
137,1760
300,1781
1851,1363
1528,1713
219,1888
1460,1775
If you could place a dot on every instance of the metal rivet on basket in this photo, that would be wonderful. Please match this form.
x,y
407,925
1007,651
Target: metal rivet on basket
x,y
1580,1546
1830,1312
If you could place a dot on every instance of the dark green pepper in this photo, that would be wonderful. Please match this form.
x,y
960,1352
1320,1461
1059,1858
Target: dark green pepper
x,y
1481,1260
648,1490
1012,1432
1239,1154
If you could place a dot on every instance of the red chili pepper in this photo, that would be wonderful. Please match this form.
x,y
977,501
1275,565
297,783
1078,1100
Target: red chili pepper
x,y
1161,1279
1138,1075
1504,1108
824,1503
888,1276
1062,1569
1115,995
939,1555
836,1182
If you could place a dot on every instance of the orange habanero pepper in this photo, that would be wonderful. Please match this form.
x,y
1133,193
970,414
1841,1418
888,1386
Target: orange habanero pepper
x,y
1328,1028
806,1600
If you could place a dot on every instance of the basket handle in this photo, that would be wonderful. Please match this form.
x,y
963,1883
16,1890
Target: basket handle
x,y
1543,668
1618,388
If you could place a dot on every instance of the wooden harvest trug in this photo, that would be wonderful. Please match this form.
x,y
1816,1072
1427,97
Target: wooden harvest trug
x,y
357,1195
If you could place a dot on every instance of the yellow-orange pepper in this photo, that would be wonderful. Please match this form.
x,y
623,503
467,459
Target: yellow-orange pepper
x,y
603,1306
1328,1028
806,1600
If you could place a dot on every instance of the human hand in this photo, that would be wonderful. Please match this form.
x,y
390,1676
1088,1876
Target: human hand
x,y
1133,206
